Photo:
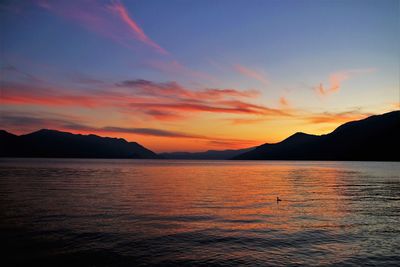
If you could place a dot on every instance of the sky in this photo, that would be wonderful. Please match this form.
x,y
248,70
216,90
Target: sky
x,y
182,75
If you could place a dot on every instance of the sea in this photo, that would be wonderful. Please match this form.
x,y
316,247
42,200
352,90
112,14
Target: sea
x,y
101,212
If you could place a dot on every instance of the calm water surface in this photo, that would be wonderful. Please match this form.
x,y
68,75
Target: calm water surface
x,y
75,212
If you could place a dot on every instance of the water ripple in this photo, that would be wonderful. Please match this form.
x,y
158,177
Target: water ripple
x,y
199,213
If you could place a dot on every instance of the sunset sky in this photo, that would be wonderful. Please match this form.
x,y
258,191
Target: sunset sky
x,y
197,75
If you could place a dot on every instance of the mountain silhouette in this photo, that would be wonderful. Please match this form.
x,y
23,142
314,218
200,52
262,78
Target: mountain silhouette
x,y
209,154
57,144
374,138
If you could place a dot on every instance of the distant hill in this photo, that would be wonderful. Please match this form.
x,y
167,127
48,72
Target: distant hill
x,y
56,144
374,138
209,154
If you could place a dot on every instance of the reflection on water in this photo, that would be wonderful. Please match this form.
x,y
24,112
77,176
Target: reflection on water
x,y
222,213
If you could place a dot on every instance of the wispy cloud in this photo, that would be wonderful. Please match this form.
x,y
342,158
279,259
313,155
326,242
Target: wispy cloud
x,y
336,79
179,99
337,117
263,110
251,74
12,72
283,101
137,31
173,89
36,94
162,101
110,19
200,108
163,115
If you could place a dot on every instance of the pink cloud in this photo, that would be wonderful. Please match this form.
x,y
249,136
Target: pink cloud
x,y
165,101
110,20
251,74
23,94
137,31
175,90
337,78
283,101
188,107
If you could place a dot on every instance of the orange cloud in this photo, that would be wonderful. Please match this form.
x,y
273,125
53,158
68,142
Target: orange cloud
x,y
162,115
283,101
219,93
241,121
251,73
396,105
336,79
337,118
22,94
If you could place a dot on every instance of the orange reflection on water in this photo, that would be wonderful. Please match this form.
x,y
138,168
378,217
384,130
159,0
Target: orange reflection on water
x,y
207,210
235,196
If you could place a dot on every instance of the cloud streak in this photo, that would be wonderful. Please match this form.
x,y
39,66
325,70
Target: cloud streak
x,y
137,31
246,121
337,78
338,117
162,101
251,74
110,19
283,101
175,90
188,107
36,94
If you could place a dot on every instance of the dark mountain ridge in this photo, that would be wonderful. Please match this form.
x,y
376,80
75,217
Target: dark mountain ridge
x,y
209,154
57,144
374,138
